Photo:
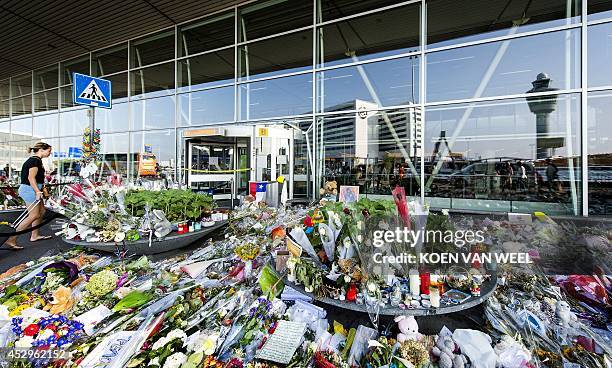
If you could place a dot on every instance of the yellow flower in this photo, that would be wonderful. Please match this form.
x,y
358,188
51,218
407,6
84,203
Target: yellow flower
x,y
17,310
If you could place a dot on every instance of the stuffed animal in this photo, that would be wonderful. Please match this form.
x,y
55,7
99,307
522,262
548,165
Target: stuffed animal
x,y
329,189
445,351
566,317
409,328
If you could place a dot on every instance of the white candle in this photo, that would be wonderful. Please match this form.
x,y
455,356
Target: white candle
x,y
415,282
434,296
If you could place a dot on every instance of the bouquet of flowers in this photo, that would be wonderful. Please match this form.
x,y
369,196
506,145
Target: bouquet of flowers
x,y
55,331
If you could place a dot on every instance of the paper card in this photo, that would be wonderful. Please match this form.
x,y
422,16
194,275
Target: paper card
x,y
519,218
293,248
108,350
349,193
92,317
283,343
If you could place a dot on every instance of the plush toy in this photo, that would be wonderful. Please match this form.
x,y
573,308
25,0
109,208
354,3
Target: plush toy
x,y
409,328
445,351
566,317
329,189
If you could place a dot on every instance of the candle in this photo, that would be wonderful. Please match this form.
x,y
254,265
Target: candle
x,y
434,296
414,282
424,282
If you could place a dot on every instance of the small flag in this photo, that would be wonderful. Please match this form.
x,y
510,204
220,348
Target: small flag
x,y
258,190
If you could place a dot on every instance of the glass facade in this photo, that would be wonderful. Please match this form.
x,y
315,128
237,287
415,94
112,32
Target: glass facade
x,y
471,105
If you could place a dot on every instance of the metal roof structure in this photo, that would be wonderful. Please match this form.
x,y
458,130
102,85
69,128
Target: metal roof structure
x,y
37,33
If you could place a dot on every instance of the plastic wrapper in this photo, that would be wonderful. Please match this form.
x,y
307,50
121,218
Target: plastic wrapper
x,y
360,343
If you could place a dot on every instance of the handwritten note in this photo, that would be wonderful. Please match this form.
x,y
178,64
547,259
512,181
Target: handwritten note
x,y
283,343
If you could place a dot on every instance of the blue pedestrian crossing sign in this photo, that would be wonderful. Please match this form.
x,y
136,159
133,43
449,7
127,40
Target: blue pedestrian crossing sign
x,y
91,91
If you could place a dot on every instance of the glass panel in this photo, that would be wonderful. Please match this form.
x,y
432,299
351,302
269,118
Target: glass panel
x,y
113,120
4,109
109,61
600,152
599,55
207,34
479,19
499,151
332,9
505,67
157,80
154,153
46,126
78,65
68,163
208,106
152,49
153,113
206,70
115,148
271,17
21,129
599,9
5,131
280,55
73,122
4,89
390,32
21,84
19,153
276,97
45,78
22,105
44,101
119,86
374,150
66,96
384,83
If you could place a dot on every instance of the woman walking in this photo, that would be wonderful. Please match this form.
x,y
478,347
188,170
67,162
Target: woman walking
x,y
30,190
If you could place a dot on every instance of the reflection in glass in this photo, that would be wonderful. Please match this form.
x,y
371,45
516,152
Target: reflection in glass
x,y
157,80
514,151
119,90
152,49
21,105
113,120
332,9
73,122
153,113
5,131
375,150
380,84
279,55
68,163
45,78
115,157
208,106
450,21
66,96
271,17
21,84
109,61
4,109
154,154
504,67
4,89
206,70
21,129
44,101
600,152
207,34
391,32
46,126
599,9
599,55
78,65
276,97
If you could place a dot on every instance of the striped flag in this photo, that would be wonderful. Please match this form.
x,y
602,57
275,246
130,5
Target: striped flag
x,y
258,190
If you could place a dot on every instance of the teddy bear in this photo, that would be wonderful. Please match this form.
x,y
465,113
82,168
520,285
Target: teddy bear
x,y
445,351
329,189
409,328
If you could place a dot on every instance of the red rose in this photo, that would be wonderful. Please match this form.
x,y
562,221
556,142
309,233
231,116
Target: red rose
x,y
31,330
308,221
51,327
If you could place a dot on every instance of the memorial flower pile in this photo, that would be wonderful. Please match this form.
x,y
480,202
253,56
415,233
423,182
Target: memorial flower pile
x,y
200,308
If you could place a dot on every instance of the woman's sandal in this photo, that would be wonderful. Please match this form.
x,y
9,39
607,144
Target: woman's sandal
x,y
14,247
42,237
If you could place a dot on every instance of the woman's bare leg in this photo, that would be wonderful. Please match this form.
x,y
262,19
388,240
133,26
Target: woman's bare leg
x,y
29,220
35,233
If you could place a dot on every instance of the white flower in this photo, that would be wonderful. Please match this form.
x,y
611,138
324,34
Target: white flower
x,y
154,361
445,212
346,242
321,231
175,360
30,264
119,237
205,344
25,342
160,343
371,287
45,334
347,278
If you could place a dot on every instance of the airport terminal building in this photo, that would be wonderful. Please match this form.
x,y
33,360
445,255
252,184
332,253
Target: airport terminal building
x,y
486,105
